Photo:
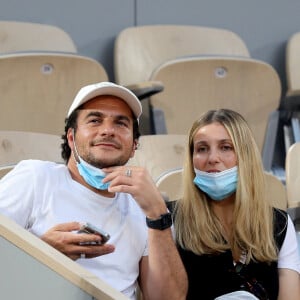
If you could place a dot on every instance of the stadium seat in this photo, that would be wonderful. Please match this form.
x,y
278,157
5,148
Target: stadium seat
x,y
140,50
159,153
37,88
292,168
19,145
194,85
27,36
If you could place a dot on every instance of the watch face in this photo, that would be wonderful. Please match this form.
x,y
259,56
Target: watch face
x,y
164,222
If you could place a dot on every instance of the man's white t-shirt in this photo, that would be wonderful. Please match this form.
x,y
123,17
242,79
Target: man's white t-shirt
x,y
39,195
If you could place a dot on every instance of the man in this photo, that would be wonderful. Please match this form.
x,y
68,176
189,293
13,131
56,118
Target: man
x,y
96,186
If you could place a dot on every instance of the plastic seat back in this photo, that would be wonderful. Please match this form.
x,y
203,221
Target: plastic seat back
x,y
293,65
140,50
159,153
19,145
38,88
170,184
27,36
292,168
195,85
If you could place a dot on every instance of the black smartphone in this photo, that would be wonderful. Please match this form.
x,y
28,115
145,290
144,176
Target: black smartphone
x,y
90,228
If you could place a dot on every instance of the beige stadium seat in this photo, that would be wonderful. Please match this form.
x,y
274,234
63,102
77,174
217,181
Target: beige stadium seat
x,y
276,191
292,167
195,85
19,145
35,37
169,184
38,88
291,103
292,65
159,153
27,36
5,169
140,50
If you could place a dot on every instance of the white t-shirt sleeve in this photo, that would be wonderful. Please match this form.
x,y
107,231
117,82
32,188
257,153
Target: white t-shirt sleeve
x,y
289,252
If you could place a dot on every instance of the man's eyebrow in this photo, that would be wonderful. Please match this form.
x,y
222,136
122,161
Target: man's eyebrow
x,y
94,114
101,115
122,117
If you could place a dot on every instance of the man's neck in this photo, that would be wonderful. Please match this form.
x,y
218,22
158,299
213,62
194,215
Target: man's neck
x,y
77,177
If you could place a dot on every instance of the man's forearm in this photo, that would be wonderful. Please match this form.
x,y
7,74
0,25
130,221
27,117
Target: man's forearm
x,y
166,276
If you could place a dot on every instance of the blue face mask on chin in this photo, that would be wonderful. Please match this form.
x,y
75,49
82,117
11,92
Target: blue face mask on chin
x,y
218,186
92,175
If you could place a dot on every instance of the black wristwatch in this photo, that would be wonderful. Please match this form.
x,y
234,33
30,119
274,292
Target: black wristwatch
x,y
164,222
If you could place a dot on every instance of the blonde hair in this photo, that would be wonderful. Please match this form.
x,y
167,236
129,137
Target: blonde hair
x,y
197,227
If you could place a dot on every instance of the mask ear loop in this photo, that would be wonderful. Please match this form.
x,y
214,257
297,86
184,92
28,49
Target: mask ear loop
x,y
75,148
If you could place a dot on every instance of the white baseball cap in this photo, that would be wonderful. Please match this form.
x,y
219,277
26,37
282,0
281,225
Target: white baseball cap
x,y
107,88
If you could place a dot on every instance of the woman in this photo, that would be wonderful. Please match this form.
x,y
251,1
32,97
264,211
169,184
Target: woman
x,y
228,235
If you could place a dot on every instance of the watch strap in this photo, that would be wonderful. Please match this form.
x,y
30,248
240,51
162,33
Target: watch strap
x,y
163,222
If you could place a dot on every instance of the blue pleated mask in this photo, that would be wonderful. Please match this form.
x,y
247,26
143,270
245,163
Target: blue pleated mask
x,y
218,186
92,175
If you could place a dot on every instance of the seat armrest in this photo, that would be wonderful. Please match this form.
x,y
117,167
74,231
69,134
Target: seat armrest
x,y
294,213
146,89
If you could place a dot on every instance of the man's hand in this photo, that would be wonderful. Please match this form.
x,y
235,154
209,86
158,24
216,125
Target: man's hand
x,y
137,182
64,238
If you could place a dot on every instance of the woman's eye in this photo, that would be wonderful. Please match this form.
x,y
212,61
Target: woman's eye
x,y
201,149
227,148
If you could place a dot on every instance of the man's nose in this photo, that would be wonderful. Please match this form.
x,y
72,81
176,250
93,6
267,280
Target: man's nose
x,y
107,128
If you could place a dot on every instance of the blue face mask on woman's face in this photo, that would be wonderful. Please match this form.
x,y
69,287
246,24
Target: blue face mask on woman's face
x,y
92,175
217,186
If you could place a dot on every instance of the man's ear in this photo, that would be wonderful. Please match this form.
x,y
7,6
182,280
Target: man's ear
x,y
134,147
135,144
70,137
